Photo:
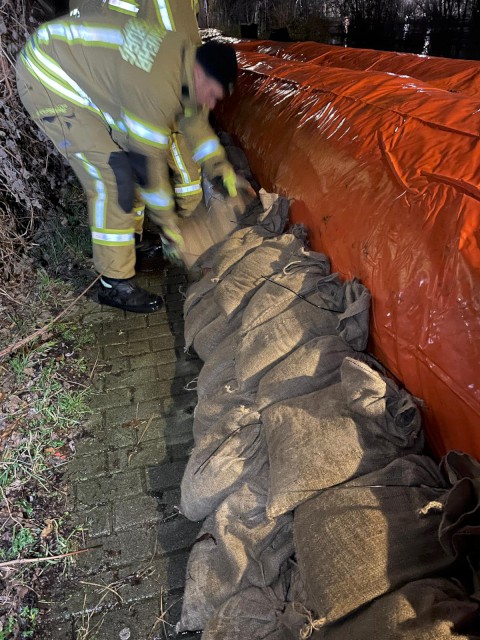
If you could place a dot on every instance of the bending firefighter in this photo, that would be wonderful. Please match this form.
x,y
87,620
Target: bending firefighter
x,y
108,93
170,15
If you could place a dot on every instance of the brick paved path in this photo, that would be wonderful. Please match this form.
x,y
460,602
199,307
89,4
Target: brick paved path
x,y
125,477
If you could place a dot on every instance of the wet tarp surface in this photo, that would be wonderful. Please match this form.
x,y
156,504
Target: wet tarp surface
x,y
384,170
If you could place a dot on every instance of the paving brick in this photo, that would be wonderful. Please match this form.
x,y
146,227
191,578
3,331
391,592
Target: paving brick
x,y
132,378
106,439
117,365
122,350
97,520
137,411
111,398
155,452
112,338
102,490
132,321
135,512
86,467
159,389
156,331
179,368
182,405
165,476
147,359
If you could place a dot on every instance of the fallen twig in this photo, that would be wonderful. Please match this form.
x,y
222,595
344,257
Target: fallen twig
x,y
11,563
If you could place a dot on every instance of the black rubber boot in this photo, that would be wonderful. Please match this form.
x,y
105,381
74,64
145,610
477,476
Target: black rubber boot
x,y
149,255
127,295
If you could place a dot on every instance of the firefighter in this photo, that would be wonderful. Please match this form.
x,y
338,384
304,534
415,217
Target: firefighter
x,y
107,93
172,15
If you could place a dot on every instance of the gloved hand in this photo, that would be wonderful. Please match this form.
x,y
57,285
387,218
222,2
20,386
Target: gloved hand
x,y
172,241
231,181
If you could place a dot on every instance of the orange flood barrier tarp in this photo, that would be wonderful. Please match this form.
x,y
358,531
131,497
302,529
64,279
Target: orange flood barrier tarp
x,y
386,175
459,76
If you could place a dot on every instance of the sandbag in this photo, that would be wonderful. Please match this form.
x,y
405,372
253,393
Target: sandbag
x,y
214,405
212,334
281,290
339,432
313,366
219,369
238,547
233,453
235,290
334,309
430,609
199,316
270,224
370,536
251,614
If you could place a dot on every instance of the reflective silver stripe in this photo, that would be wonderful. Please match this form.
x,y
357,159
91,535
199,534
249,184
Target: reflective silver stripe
x,y
207,148
157,199
78,95
125,6
148,134
179,161
113,237
163,10
52,84
83,33
115,124
101,197
192,188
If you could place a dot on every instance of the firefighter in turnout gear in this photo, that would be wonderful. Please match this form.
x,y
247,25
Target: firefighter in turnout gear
x,y
107,92
171,15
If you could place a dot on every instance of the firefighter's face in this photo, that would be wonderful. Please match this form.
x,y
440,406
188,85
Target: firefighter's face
x,y
209,91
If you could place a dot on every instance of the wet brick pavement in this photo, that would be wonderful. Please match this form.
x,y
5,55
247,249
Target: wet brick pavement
x,y
125,476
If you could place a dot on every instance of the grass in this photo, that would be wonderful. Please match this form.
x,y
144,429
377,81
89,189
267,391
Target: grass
x,y
44,398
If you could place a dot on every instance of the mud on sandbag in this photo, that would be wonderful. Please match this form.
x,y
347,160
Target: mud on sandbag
x,y
233,453
237,547
372,535
337,433
430,609
333,309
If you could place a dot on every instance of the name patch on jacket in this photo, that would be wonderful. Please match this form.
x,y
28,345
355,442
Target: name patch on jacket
x,y
141,42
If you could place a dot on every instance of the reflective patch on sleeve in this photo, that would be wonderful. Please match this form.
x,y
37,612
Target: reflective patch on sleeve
x,y
158,199
207,149
145,132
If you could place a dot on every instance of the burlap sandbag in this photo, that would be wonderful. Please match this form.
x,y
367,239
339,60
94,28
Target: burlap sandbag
x,y
297,279
311,367
334,309
212,334
431,609
235,290
460,526
251,614
238,547
370,536
199,316
214,405
270,224
219,368
337,433
232,454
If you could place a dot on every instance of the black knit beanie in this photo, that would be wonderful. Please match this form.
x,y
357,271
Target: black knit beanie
x,y
219,61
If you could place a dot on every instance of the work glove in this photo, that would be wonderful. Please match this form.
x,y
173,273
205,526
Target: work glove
x,y
172,240
231,181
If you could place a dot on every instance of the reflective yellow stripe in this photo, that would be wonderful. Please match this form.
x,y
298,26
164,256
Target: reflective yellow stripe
x,y
207,149
146,132
85,34
128,7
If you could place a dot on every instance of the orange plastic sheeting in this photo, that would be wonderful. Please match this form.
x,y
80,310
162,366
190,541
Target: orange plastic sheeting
x,y
459,76
386,175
